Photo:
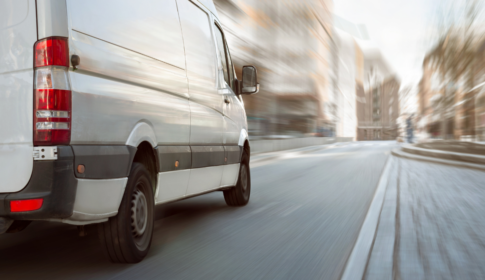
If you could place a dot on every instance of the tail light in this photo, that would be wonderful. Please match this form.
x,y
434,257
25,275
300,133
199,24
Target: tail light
x,y
52,92
26,205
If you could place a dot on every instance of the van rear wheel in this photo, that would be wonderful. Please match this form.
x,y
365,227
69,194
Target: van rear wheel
x,y
239,194
127,237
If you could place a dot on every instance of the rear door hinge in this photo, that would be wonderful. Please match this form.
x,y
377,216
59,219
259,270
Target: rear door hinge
x,y
45,153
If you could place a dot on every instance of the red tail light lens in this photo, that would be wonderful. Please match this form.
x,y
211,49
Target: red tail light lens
x,y
52,93
53,99
51,51
26,205
52,117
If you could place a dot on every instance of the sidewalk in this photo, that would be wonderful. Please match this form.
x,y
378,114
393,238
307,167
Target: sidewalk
x,y
432,223
455,153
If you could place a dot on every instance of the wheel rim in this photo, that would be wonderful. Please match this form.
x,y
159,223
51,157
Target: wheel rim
x,y
139,216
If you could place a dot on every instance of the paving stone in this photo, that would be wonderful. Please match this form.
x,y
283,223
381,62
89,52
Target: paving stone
x,y
440,223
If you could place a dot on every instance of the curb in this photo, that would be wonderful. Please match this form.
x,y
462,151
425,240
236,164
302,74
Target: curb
x,y
470,158
456,163
357,262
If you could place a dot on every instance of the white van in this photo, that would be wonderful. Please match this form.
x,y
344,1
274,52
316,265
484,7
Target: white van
x,y
111,107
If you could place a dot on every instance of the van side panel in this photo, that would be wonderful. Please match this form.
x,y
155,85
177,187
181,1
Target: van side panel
x,y
18,33
52,18
206,135
210,6
148,27
132,71
106,111
206,103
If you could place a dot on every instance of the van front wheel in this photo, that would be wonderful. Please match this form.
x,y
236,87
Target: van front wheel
x,y
126,238
239,194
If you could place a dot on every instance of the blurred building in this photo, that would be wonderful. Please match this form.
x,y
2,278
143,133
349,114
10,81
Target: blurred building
x,y
378,107
450,98
480,115
290,43
479,92
312,70
348,82
429,97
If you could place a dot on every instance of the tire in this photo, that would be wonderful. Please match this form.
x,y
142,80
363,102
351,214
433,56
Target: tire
x,y
239,194
126,238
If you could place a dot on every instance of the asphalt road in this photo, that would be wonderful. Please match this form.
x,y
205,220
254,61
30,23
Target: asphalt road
x,y
304,216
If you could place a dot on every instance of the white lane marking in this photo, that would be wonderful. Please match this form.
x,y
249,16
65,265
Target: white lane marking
x,y
355,266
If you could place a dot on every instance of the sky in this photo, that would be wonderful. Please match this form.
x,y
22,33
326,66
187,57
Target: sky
x,y
401,29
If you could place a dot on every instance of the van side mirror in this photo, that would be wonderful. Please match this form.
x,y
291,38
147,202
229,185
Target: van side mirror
x,y
249,80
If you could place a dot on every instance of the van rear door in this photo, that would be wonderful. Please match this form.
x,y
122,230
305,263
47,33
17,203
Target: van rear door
x,y
18,33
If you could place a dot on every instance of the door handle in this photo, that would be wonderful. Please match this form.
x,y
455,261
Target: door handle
x,y
226,100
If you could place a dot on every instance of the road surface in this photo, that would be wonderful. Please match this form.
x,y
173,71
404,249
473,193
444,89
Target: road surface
x,y
305,213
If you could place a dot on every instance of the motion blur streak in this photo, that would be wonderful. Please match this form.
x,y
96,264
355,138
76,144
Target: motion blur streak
x,y
359,81
316,79
451,92
304,217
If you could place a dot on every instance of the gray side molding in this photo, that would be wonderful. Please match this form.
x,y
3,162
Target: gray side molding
x,y
168,155
205,156
103,162
233,154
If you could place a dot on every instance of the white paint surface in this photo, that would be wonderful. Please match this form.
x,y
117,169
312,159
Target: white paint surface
x,y
96,199
204,179
172,185
230,175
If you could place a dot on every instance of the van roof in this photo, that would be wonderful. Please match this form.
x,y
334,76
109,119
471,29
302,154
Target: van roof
x,y
209,5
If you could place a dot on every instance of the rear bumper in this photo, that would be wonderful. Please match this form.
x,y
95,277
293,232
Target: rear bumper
x,y
54,181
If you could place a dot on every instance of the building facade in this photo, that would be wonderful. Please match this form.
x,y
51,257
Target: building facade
x,y
349,73
450,98
378,107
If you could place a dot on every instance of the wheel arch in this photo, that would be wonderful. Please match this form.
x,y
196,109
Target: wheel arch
x,y
147,155
142,132
243,137
244,142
